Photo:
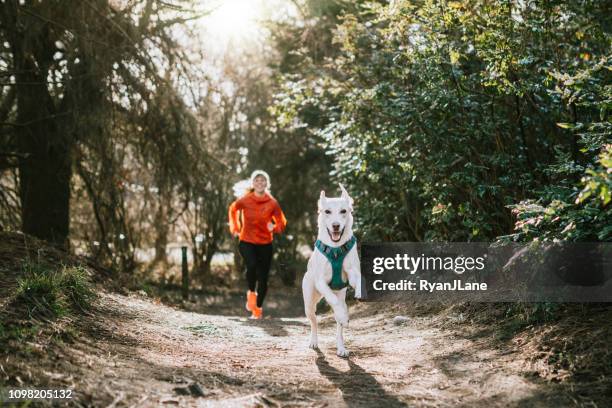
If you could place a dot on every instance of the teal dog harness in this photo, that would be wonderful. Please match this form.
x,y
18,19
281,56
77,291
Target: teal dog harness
x,y
335,256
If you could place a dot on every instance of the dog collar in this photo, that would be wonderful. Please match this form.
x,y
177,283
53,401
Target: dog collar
x,y
335,256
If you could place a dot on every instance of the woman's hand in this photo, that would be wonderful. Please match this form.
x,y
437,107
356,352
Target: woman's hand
x,y
270,226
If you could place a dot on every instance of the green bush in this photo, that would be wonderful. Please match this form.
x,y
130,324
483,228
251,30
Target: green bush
x,y
440,115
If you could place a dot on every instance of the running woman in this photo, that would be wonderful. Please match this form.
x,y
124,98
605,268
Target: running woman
x,y
261,217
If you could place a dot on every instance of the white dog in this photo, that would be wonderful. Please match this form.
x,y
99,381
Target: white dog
x,y
335,245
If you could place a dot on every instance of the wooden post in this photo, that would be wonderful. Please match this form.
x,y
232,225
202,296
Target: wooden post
x,y
185,273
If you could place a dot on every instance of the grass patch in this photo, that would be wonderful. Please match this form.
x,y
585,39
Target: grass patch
x,y
52,292
147,288
44,293
203,328
534,313
17,332
519,316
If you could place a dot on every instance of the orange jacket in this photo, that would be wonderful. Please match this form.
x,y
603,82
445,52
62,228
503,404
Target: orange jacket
x,y
257,212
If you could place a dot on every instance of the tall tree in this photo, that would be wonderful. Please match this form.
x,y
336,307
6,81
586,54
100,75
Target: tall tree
x,y
67,63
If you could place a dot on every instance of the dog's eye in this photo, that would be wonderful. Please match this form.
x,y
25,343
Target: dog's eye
x,y
327,211
342,211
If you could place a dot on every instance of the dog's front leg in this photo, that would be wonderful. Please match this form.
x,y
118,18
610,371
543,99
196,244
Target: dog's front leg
x,y
339,308
354,277
311,297
353,271
340,350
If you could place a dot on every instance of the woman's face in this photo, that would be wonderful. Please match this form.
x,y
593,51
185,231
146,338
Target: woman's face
x,y
259,184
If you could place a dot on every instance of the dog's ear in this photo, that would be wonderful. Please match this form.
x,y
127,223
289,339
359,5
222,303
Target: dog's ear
x,y
321,201
346,195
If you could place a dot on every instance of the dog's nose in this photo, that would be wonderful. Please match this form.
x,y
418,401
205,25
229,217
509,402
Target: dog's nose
x,y
336,226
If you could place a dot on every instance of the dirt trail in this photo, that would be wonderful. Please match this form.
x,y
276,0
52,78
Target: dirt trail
x,y
135,352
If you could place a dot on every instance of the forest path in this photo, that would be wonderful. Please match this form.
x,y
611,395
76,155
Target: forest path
x,y
136,352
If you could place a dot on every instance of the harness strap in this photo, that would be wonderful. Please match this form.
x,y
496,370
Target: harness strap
x,y
335,256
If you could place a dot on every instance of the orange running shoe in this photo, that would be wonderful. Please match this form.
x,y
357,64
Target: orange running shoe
x,y
251,302
257,313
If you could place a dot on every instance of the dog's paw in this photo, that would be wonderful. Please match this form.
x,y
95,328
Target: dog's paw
x,y
314,344
342,352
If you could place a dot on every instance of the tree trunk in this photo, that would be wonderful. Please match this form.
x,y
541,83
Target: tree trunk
x,y
45,187
45,170
161,237
211,249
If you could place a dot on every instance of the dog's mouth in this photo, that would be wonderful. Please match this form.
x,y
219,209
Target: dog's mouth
x,y
335,235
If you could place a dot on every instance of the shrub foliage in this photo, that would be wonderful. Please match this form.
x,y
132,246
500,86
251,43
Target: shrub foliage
x,y
443,116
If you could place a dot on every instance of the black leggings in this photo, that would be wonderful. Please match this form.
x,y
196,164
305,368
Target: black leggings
x,y
257,259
